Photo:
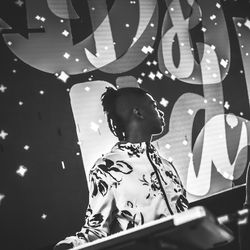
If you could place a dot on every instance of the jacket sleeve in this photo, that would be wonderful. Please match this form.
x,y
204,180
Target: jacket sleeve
x,y
101,205
182,203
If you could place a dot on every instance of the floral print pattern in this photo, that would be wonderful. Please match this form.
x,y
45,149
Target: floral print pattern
x,y
129,186
132,149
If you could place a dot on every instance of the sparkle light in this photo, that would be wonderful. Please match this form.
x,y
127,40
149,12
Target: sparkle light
x,y
63,165
159,75
173,77
247,23
139,80
44,216
226,105
19,3
164,102
203,29
3,134
43,19
65,33
26,147
185,142
21,171
218,5
213,17
151,75
224,63
63,76
1,197
66,55
190,111
213,47
147,50
2,88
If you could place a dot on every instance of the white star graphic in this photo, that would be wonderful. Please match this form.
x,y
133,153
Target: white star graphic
x,y
19,3
63,76
1,197
65,33
21,171
164,102
3,134
44,216
247,23
2,88
226,105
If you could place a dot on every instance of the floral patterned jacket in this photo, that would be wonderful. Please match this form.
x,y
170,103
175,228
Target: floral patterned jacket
x,y
129,186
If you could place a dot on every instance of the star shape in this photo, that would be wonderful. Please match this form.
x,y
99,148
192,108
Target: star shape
x,y
44,216
21,171
63,76
151,75
19,3
226,105
164,102
65,33
247,23
2,88
3,134
159,75
1,197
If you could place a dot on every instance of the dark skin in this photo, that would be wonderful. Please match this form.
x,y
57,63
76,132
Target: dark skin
x,y
145,121
142,120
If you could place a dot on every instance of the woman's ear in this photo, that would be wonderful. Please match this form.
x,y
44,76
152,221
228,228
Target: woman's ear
x,y
138,113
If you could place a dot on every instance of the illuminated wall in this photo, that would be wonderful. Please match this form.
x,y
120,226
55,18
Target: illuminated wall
x,y
57,57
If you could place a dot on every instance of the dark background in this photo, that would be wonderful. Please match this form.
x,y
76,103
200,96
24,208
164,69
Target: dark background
x,y
45,123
